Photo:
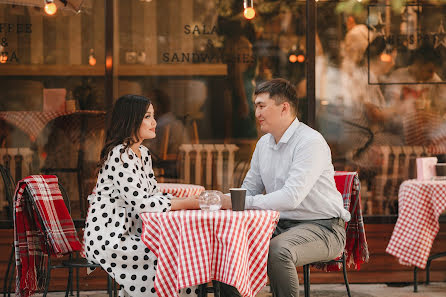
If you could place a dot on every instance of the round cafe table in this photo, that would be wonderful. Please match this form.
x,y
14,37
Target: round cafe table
x,y
180,190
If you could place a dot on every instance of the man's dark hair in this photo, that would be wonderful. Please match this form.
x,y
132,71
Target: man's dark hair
x,y
426,54
280,90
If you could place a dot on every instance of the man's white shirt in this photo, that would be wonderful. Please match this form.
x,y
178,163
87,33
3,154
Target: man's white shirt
x,y
297,176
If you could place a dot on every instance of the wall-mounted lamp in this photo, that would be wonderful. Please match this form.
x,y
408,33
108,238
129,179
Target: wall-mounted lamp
x,y
248,10
50,7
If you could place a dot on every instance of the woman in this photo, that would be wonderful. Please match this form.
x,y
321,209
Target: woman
x,y
125,188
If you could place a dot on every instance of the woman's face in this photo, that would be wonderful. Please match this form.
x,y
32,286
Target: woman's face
x,y
148,125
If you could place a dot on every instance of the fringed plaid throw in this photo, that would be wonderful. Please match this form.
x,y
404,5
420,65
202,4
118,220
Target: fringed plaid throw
x,y
57,228
356,248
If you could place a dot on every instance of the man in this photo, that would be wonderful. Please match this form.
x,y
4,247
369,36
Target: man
x,y
292,165
418,83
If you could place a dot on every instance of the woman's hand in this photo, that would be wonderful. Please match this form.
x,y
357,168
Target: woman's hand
x,y
184,203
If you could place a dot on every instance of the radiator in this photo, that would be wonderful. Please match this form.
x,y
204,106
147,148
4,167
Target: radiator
x,y
210,165
398,163
19,163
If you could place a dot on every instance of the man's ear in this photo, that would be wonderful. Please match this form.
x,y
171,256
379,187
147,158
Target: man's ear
x,y
286,107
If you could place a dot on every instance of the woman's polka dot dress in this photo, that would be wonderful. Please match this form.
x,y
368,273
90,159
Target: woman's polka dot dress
x,y
126,187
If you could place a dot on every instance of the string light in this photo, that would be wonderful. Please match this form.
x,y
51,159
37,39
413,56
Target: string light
x,y
249,11
108,62
3,59
300,58
91,58
293,58
50,7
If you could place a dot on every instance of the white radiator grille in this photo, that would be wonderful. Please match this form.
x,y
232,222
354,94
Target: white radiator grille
x,y
210,165
398,164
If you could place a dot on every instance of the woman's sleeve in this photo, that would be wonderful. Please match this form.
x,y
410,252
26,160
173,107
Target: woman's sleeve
x,y
129,179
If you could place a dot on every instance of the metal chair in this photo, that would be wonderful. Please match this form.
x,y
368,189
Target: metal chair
x,y
342,259
428,266
72,262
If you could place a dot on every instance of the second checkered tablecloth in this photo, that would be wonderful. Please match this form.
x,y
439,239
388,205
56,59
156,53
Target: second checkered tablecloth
x,y
180,190
194,247
33,122
420,206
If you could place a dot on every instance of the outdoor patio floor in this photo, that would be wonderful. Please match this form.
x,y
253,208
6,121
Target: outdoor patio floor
x,y
436,289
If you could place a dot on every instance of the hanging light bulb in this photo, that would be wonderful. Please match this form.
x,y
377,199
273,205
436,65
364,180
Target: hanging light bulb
x,y
249,11
50,7
91,58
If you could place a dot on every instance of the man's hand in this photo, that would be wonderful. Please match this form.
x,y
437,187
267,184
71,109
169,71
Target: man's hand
x,y
226,202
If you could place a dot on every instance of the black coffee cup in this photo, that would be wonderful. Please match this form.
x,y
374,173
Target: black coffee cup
x,y
238,196
440,169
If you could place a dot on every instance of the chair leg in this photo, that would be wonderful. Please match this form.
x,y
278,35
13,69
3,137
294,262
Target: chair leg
x,y
69,282
428,265
77,282
10,263
11,278
115,288
344,271
415,284
428,269
47,281
109,286
307,280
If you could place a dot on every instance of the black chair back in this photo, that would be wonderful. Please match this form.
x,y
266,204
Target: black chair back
x,y
9,187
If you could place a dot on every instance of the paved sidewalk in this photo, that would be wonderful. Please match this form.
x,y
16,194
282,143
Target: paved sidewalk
x,y
435,289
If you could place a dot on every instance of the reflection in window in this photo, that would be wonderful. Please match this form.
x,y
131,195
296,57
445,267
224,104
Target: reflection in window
x,y
381,95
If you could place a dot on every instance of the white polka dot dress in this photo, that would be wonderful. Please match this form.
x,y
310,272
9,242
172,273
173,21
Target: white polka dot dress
x,y
126,187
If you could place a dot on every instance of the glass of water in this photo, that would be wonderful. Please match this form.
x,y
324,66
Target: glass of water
x,y
210,200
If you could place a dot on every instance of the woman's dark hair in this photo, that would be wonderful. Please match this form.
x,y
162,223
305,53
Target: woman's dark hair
x,y
374,50
127,115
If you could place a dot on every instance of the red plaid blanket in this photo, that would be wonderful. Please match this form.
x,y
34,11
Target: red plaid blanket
x,y
45,201
356,248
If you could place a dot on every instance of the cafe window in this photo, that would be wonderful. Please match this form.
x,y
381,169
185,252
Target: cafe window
x,y
380,91
199,62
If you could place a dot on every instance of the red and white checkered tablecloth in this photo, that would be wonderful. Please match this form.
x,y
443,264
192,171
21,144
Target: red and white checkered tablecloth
x,y
420,206
194,247
177,190
180,190
33,122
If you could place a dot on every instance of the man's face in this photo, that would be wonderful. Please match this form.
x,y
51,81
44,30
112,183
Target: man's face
x,y
268,113
425,71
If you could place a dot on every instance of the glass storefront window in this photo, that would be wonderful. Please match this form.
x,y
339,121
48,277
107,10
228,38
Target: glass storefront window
x,y
381,93
52,111
379,86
